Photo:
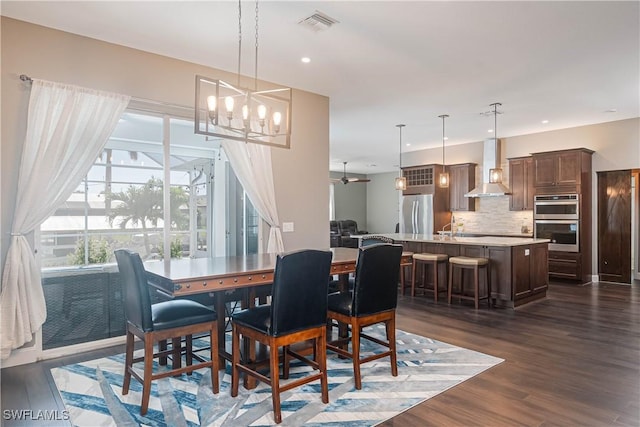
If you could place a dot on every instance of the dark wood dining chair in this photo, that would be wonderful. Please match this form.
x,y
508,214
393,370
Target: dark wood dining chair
x,y
373,300
152,323
297,313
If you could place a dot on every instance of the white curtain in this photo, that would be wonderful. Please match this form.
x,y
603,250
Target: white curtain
x,y
67,127
252,165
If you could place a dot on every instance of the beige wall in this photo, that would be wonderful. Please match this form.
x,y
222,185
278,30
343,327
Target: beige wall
x,y
63,57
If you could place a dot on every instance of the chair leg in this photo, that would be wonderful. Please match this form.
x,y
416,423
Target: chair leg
x,y
476,285
413,278
235,351
162,346
321,359
275,382
176,352
391,337
355,350
189,351
285,362
128,363
435,281
402,278
450,283
148,366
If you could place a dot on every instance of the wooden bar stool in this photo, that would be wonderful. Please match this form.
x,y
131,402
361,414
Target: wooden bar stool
x,y
428,259
462,263
403,265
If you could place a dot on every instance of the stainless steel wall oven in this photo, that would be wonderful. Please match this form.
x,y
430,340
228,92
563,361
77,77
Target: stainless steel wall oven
x,y
557,218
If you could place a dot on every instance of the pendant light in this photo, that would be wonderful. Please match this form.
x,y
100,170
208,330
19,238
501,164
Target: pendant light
x,y
495,174
443,179
401,181
251,115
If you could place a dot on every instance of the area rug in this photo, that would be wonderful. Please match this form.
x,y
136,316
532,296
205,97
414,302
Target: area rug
x,y
92,390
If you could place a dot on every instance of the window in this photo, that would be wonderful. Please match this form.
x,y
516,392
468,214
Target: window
x,y
121,204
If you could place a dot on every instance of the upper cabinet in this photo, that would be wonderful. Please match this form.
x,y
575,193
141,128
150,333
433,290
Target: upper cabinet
x,y
521,183
420,179
462,179
561,171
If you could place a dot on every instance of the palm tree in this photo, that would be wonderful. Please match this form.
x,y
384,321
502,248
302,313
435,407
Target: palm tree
x,y
138,206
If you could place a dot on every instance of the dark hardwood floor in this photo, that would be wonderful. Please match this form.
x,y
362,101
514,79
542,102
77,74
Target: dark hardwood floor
x,y
572,359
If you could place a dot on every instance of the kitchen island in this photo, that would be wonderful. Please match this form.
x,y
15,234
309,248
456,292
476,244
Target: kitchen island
x,y
519,266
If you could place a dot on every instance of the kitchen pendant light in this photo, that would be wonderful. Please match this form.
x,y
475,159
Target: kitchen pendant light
x,y
443,179
495,174
401,181
226,111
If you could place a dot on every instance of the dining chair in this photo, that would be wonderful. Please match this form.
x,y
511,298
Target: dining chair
x,y
297,313
162,321
373,300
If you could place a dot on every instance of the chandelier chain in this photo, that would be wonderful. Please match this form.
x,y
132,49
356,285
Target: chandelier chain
x,y
239,38
255,80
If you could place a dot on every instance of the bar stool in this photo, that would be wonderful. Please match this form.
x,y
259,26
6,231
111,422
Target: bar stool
x,y
462,263
428,259
403,265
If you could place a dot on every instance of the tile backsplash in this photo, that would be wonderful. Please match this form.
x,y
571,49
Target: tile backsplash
x,y
492,215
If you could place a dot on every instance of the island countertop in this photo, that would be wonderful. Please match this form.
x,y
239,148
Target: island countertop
x,y
457,240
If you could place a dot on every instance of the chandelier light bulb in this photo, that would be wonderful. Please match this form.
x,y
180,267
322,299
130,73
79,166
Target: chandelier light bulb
x,y
262,112
277,118
245,112
212,102
228,102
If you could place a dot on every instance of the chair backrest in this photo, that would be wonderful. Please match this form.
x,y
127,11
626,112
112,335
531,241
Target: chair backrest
x,y
137,303
334,228
376,281
300,289
374,240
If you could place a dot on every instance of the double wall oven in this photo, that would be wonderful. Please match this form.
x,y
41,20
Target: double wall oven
x,y
557,217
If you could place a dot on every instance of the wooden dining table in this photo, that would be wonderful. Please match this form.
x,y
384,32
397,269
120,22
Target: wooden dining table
x,y
222,275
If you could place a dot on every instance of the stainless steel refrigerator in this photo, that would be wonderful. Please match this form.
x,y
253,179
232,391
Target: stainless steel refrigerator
x,y
416,216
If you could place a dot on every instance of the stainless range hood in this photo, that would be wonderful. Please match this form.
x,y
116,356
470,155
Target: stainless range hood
x,y
490,160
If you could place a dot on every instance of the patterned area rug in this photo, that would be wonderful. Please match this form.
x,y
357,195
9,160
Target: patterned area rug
x,y
92,390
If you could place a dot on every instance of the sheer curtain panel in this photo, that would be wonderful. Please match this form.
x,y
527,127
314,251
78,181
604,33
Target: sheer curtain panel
x,y
252,165
67,127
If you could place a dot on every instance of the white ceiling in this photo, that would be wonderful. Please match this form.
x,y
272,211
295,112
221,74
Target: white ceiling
x,y
389,62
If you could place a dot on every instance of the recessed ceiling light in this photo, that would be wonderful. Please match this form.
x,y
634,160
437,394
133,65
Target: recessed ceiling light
x,y
611,110
544,122
490,131
408,144
446,138
306,59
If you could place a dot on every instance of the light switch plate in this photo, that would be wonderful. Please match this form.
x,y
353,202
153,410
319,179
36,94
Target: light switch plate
x,y
287,227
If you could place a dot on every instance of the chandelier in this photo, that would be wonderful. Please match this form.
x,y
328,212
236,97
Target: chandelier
x,y
401,181
227,111
443,179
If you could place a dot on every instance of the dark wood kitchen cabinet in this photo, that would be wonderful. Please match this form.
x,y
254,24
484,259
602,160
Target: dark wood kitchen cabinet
x,y
562,172
420,179
529,273
521,183
462,179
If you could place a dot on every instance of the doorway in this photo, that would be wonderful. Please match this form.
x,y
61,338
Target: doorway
x,y
614,226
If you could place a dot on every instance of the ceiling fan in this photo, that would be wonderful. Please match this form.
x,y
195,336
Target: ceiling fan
x,y
345,180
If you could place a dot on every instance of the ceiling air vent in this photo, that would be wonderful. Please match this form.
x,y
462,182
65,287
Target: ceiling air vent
x,y
318,22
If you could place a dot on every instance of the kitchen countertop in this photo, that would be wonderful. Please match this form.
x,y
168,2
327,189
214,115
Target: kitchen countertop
x,y
483,240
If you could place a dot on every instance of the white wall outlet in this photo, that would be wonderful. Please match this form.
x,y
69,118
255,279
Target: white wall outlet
x,y
526,252
287,227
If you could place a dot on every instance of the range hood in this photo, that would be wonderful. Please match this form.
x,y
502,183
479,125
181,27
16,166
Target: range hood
x,y
490,160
